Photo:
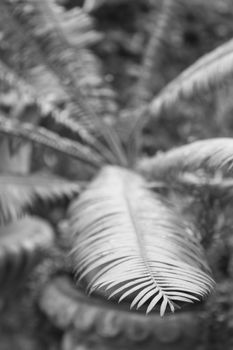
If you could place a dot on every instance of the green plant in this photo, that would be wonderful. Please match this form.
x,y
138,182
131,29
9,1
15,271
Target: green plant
x,y
127,238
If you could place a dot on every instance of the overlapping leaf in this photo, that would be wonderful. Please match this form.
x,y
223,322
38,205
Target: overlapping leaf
x,y
159,30
207,74
209,155
67,64
22,245
54,74
18,193
50,139
135,245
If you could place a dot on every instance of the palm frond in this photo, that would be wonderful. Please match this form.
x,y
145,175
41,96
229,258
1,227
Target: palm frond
x,y
20,193
22,245
38,95
61,57
208,73
50,139
159,29
76,25
35,82
196,183
209,155
93,88
135,245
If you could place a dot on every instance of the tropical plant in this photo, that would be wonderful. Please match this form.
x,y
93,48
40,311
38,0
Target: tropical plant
x,y
128,240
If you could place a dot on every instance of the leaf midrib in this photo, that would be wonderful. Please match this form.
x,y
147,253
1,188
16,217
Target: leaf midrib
x,y
139,237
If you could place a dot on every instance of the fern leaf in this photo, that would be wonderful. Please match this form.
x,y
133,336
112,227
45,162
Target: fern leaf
x,y
217,185
19,193
209,155
91,80
22,245
135,245
159,30
61,57
76,25
38,94
50,139
207,74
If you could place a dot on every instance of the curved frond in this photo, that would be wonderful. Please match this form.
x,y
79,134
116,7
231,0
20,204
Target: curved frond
x,y
208,73
210,155
19,193
50,139
159,29
217,185
64,61
71,26
150,61
134,245
38,84
22,245
55,70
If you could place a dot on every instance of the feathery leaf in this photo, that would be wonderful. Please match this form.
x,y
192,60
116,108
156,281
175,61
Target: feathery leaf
x,y
159,29
19,193
210,155
38,96
135,245
207,74
22,245
150,61
49,139
63,60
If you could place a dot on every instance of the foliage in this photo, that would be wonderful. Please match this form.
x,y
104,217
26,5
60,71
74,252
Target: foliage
x,y
126,237
22,244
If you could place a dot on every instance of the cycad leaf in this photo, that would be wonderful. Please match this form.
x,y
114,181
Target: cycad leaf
x,y
22,245
55,69
65,62
134,244
42,86
208,73
18,193
50,139
159,29
209,155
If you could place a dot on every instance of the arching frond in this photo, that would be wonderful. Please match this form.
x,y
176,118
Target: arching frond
x,y
38,94
39,85
76,25
55,61
19,193
134,245
65,62
210,155
49,139
199,183
96,92
207,74
159,29
22,245
150,61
